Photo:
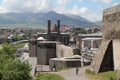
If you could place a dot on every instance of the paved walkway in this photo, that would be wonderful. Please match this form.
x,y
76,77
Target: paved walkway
x,y
70,74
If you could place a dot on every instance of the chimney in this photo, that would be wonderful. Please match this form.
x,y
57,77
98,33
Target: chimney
x,y
58,26
49,24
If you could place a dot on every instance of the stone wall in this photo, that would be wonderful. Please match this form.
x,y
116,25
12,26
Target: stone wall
x,y
107,63
33,48
107,58
33,62
116,51
63,51
45,51
118,73
63,63
99,56
111,23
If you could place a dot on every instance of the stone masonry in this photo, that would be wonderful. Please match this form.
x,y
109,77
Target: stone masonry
x,y
107,58
111,23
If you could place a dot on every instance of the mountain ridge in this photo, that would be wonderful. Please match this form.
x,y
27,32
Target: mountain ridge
x,y
41,19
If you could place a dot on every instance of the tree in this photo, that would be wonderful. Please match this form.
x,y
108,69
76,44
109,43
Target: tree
x,y
15,70
17,38
10,67
8,49
74,33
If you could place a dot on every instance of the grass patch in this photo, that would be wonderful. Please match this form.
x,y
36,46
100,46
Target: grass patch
x,y
110,75
20,45
48,76
62,68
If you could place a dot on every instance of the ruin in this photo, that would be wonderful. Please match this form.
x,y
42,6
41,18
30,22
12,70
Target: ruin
x,y
107,58
64,62
45,51
46,48
54,35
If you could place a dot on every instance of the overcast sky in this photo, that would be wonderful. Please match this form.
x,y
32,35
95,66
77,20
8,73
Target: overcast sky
x,y
89,9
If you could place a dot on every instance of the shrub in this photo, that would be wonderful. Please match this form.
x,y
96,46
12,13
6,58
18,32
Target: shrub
x,y
89,72
48,76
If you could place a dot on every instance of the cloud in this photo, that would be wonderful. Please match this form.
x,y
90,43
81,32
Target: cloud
x,y
63,1
84,10
103,1
60,6
75,10
27,5
80,0
85,13
3,10
34,5
93,17
78,11
114,4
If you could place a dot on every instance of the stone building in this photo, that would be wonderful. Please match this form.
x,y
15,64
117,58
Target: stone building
x,y
54,34
64,62
33,48
108,58
45,51
88,37
46,48
66,57
91,43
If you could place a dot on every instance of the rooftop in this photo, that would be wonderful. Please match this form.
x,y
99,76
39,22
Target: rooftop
x,y
91,38
92,34
64,33
48,42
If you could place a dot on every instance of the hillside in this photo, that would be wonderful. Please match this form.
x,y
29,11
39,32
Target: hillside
x,y
40,19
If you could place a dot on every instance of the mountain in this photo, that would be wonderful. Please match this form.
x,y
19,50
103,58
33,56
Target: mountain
x,y
77,17
99,23
40,19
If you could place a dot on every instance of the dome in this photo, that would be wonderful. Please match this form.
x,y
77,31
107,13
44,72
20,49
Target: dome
x,y
41,39
76,56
